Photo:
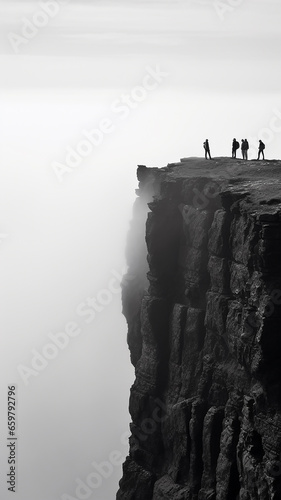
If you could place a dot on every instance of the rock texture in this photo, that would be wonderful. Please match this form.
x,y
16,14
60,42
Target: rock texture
x,y
203,304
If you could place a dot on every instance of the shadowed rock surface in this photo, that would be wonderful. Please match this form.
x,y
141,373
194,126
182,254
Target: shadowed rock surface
x,y
204,332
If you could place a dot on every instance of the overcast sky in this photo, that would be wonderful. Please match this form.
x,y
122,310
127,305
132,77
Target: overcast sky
x,y
192,38
64,241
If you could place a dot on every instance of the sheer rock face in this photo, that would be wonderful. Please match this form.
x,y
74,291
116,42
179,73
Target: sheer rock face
x,y
204,333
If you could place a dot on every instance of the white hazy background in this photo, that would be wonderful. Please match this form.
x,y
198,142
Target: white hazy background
x,y
63,240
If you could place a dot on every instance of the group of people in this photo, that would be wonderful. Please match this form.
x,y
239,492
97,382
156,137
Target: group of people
x,y
244,148
235,147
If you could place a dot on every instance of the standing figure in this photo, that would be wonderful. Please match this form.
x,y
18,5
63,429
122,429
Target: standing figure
x,y
206,146
235,146
246,149
243,148
261,149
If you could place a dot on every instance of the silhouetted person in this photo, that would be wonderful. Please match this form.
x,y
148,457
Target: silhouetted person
x,y
261,149
207,149
244,149
235,146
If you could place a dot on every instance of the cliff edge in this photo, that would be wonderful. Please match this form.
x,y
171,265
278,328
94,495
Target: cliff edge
x,y
202,300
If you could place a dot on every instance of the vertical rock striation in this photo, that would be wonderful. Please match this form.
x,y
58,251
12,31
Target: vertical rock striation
x,y
202,300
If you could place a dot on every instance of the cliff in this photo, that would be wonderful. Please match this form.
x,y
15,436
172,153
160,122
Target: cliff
x,y
202,300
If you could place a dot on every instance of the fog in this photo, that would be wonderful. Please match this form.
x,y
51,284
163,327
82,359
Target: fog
x,y
66,206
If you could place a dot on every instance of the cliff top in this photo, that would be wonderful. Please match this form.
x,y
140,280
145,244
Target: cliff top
x,y
256,181
225,167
